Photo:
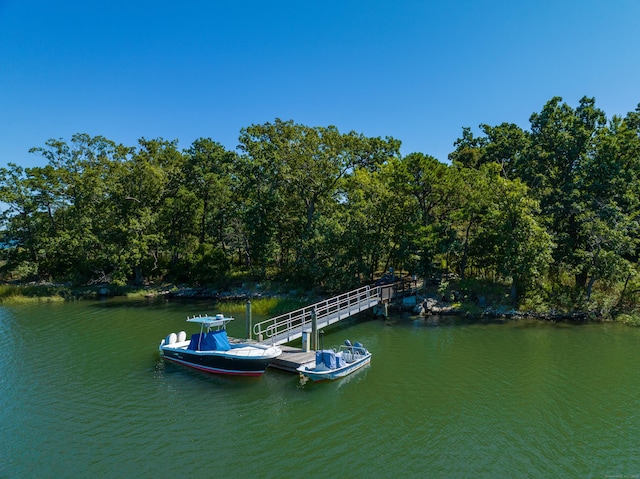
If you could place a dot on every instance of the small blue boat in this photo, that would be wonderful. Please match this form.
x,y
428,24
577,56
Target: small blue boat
x,y
331,364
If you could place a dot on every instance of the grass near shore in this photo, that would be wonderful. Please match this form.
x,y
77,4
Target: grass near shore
x,y
265,306
15,294
24,294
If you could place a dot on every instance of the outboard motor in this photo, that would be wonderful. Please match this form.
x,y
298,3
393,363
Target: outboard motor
x,y
358,347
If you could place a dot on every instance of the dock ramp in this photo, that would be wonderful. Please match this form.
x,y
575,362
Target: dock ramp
x,y
290,326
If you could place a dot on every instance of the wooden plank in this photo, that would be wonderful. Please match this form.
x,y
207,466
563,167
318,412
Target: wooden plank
x,y
292,358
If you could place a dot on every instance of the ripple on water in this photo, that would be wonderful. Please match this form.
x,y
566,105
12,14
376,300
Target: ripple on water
x,y
87,395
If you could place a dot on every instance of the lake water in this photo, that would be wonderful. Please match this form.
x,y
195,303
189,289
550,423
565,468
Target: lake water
x,y
84,393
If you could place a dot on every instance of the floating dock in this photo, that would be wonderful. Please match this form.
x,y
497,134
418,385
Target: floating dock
x,y
292,358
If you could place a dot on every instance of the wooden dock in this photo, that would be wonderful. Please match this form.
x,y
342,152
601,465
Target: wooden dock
x,y
305,323
292,358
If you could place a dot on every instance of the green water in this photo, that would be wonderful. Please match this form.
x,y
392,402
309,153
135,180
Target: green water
x,y
84,393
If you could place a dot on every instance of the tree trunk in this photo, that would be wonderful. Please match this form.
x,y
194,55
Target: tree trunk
x,y
138,275
590,287
581,280
465,251
513,295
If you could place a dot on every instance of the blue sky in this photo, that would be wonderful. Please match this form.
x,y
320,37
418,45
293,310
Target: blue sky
x,y
415,70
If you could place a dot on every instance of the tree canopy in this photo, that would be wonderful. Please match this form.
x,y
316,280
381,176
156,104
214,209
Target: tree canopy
x,y
551,210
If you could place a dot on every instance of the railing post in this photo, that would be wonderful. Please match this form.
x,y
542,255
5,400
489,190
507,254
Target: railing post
x,y
314,330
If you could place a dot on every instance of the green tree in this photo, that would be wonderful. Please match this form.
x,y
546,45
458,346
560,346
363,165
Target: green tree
x,y
609,180
206,196
561,143
376,221
521,246
504,145
430,187
473,197
21,219
66,198
292,174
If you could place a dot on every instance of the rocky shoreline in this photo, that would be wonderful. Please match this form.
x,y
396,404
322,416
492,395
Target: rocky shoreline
x,y
235,294
431,305
241,294
426,304
423,306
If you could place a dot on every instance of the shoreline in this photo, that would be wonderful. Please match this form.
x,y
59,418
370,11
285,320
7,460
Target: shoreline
x,y
426,305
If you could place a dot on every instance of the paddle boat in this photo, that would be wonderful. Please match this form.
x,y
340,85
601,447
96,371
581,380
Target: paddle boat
x,y
210,349
331,364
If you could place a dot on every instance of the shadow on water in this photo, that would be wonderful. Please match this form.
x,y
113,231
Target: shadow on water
x,y
138,303
355,377
440,321
168,371
455,321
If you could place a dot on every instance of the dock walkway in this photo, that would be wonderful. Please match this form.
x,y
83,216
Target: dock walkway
x,y
310,319
291,326
292,358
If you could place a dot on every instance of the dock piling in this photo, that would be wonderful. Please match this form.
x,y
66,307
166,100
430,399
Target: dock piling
x,y
248,314
306,346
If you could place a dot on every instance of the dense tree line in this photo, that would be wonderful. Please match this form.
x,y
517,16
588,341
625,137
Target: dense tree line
x,y
552,211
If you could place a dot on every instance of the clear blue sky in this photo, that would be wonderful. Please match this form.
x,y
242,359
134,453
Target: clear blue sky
x,y
415,70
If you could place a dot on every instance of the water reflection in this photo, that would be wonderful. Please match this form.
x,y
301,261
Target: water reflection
x,y
84,386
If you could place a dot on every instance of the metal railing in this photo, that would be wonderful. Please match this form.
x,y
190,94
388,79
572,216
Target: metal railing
x,y
289,326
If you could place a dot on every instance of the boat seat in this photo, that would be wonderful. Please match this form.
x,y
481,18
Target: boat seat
x,y
195,342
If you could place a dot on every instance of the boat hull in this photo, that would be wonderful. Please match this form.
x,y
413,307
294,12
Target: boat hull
x,y
332,374
219,363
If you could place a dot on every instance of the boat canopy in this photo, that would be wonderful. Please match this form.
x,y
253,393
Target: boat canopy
x,y
210,321
211,341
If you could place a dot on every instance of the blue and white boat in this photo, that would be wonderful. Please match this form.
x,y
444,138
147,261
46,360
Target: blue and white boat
x,y
331,364
210,349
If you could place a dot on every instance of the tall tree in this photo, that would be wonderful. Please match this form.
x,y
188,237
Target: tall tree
x,y
609,180
430,186
68,193
295,171
561,143
520,246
